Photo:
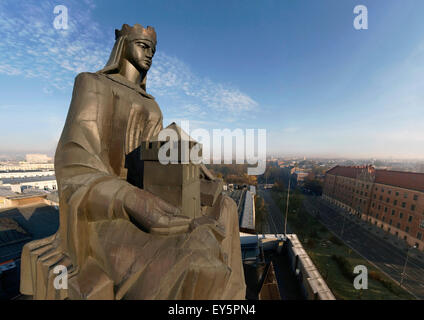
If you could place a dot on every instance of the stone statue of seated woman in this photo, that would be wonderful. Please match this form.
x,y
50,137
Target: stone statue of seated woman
x,y
117,240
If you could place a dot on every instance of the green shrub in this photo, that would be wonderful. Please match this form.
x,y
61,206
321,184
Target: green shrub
x,y
336,240
344,266
313,234
388,284
375,275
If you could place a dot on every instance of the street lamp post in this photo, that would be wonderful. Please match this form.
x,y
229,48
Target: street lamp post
x,y
326,271
344,220
404,267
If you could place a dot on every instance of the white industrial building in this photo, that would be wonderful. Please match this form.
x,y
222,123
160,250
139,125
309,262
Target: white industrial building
x,y
18,185
26,174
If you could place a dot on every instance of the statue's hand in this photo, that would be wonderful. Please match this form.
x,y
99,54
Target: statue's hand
x,y
204,220
154,214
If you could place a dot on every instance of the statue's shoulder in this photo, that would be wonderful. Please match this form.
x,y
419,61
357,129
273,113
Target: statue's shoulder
x,y
90,79
92,83
87,76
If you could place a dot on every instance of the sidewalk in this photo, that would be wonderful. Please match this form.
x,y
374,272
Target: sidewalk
x,y
384,235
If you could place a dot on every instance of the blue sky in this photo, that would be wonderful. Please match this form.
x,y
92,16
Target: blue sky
x,y
296,68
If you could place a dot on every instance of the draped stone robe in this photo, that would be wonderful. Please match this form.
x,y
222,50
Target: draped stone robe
x,y
106,255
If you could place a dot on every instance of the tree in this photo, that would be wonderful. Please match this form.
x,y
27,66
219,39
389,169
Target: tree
x,y
315,186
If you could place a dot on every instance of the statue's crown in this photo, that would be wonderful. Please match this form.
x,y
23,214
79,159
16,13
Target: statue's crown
x,y
136,32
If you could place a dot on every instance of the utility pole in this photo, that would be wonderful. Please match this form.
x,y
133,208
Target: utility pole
x,y
404,267
287,206
344,220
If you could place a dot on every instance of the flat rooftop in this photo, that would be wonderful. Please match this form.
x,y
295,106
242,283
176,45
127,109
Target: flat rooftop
x,y
27,179
31,223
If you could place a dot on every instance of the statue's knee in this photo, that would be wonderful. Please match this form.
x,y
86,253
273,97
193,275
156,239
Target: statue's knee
x,y
228,201
230,204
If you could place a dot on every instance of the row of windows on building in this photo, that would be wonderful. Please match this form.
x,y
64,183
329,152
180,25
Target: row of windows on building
x,y
395,201
358,192
349,200
399,226
419,234
410,218
353,183
358,184
405,194
353,190
403,205
415,197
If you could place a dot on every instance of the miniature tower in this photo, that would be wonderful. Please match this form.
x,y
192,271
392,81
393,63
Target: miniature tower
x,y
177,183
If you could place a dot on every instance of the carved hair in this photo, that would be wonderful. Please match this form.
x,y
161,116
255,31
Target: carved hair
x,y
121,36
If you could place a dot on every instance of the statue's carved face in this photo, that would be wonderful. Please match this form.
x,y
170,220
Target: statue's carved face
x,y
140,53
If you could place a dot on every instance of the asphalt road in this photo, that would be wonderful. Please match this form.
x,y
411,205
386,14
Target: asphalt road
x,y
275,216
288,286
384,255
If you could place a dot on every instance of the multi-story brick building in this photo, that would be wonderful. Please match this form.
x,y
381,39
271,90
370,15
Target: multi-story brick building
x,y
392,200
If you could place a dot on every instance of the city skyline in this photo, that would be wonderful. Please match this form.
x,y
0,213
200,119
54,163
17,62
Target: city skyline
x,y
299,70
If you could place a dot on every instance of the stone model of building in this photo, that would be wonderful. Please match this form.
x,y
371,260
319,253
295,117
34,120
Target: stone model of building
x,y
178,183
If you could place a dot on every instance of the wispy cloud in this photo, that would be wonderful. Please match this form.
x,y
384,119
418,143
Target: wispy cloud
x,y
170,76
31,47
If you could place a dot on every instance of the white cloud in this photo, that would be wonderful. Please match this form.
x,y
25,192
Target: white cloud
x,y
33,48
171,77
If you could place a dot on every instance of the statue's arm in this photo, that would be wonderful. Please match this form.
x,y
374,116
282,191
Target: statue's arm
x,y
82,166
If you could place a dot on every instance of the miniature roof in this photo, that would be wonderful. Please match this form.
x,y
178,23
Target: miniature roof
x,y
182,135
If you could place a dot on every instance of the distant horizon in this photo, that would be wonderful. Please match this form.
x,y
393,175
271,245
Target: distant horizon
x,y
21,154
